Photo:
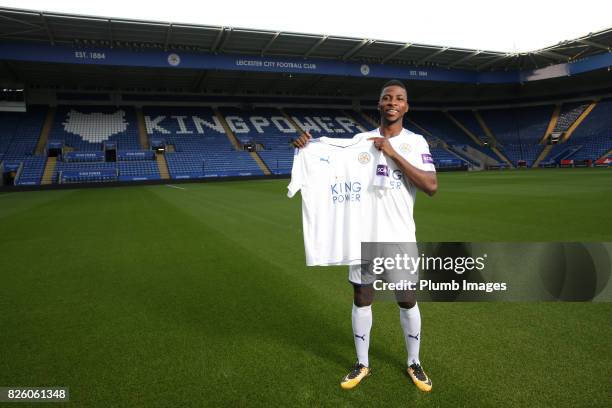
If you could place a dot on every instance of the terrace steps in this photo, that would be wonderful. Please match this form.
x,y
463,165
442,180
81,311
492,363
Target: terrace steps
x,y
422,129
351,114
368,118
228,131
542,155
501,155
485,128
465,130
162,166
237,145
290,119
578,121
608,153
551,125
492,138
260,163
47,177
46,129
143,138
457,154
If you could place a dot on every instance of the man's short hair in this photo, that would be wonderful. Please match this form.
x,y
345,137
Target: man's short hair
x,y
394,82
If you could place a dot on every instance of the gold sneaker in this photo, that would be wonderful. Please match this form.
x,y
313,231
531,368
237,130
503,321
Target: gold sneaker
x,y
357,374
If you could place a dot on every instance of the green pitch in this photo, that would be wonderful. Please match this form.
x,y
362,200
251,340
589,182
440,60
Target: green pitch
x,y
153,296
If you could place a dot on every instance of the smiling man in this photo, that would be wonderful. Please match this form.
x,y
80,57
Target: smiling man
x,y
411,167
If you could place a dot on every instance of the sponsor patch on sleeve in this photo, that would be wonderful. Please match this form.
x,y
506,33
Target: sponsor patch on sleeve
x,y
382,170
427,159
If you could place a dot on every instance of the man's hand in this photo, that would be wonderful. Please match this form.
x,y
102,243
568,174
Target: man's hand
x,y
302,141
425,181
382,144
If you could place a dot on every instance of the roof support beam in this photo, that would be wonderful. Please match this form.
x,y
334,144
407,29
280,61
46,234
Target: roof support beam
x,y
580,53
16,20
110,32
463,59
594,44
217,40
396,52
353,51
316,45
430,56
31,30
535,63
49,33
228,32
200,82
269,44
494,60
167,40
553,54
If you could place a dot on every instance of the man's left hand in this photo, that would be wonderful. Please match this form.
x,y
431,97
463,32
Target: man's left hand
x,y
383,144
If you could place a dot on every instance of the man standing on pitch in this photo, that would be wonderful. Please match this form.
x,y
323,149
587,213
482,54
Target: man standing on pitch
x,y
412,168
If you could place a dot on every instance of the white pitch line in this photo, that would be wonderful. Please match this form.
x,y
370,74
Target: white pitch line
x,y
180,188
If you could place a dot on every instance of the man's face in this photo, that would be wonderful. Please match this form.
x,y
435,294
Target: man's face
x,y
393,104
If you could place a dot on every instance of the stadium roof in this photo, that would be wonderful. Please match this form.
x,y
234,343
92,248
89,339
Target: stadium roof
x,y
87,31
59,28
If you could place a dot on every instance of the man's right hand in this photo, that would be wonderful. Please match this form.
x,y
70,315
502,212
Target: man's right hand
x,y
302,141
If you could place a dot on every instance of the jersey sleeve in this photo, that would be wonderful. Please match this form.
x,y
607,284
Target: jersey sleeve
x,y
422,158
298,173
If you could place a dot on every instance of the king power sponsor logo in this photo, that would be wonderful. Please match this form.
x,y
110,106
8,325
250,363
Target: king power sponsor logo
x,y
345,192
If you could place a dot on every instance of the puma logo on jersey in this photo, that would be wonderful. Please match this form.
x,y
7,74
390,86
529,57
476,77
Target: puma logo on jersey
x,y
416,337
360,337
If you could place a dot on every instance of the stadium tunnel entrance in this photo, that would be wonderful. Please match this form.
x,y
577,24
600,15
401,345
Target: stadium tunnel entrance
x,y
110,151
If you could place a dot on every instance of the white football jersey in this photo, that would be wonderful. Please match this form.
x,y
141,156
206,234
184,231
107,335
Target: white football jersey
x,y
352,194
338,182
392,217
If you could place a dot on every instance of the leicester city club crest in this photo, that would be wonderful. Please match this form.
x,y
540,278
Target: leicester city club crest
x,y
405,148
363,158
174,59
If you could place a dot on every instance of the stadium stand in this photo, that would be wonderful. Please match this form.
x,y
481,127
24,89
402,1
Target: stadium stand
x,y
325,122
201,146
519,130
19,132
467,119
568,115
32,171
236,114
439,126
86,128
594,135
590,140
269,131
197,144
408,124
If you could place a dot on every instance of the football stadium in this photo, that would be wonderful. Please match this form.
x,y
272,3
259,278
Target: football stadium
x,y
151,257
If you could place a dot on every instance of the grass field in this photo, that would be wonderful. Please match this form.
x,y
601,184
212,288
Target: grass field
x,y
154,296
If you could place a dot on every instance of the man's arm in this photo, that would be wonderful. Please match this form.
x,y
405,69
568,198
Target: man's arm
x,y
426,181
302,141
